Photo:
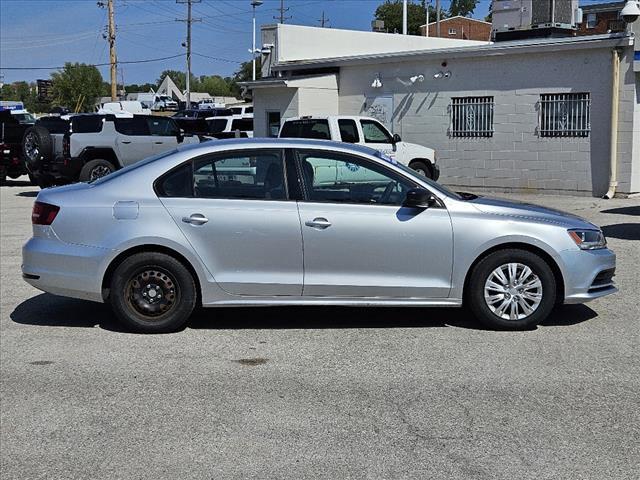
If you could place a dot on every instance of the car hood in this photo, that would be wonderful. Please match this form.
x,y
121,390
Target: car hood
x,y
522,210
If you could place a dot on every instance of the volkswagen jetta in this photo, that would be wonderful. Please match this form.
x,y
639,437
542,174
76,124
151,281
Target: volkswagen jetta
x,y
304,222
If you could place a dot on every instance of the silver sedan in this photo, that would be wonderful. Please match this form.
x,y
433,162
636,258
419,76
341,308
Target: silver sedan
x,y
303,222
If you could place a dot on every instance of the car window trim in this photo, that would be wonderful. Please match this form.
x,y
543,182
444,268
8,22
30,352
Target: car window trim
x,y
303,188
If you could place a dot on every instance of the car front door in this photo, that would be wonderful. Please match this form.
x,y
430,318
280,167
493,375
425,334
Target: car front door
x,y
359,241
375,135
133,141
234,210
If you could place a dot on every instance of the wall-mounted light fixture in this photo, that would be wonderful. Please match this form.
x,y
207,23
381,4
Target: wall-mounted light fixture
x,y
377,82
442,74
417,78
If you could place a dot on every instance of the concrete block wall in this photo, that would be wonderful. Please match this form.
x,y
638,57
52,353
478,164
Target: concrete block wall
x,y
515,157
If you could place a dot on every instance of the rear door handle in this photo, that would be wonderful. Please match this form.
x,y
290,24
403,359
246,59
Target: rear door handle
x,y
126,143
158,143
319,222
195,219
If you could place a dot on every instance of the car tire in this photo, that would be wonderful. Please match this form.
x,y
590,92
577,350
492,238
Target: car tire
x,y
37,146
422,168
511,289
153,292
94,169
32,178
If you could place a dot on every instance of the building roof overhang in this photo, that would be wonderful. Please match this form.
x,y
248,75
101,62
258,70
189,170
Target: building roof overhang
x,y
516,47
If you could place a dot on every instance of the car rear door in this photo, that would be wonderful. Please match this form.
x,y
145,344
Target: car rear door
x,y
235,211
133,140
359,241
165,132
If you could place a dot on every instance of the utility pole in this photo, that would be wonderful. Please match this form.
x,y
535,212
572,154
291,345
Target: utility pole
x,y
189,21
404,17
323,21
438,18
283,10
111,38
426,29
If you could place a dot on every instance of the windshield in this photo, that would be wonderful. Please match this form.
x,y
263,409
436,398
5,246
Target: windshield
x,y
410,171
131,167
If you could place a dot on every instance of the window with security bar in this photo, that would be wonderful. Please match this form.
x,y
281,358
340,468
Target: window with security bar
x,y
471,117
564,115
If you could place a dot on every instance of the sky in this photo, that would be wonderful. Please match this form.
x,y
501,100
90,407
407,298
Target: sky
x,y
48,33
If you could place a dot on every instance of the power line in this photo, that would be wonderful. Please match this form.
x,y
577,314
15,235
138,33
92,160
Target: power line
x,y
96,64
216,58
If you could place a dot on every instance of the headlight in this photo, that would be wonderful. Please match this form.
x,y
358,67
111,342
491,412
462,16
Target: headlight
x,y
588,239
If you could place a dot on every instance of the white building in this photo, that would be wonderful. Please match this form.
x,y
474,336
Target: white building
x,y
522,115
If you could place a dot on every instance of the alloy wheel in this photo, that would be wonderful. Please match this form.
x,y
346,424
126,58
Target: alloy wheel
x,y
513,291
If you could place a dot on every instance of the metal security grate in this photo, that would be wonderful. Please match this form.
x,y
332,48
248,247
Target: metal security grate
x,y
564,115
471,117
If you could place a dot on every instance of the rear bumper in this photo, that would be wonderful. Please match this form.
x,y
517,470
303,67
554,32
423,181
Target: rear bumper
x,y
64,269
588,274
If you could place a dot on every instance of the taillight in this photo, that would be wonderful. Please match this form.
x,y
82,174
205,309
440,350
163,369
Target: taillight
x,y
44,213
66,146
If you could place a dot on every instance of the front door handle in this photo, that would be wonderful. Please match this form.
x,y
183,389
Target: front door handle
x,y
195,219
158,143
319,222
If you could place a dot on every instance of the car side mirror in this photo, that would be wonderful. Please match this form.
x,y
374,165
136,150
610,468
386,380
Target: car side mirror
x,y
396,138
180,135
419,198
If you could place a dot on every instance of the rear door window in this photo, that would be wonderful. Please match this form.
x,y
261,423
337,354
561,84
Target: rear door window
x,y
136,126
257,175
162,127
348,131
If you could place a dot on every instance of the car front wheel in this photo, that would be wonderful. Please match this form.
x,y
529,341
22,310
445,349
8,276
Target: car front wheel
x,y
153,293
422,168
512,289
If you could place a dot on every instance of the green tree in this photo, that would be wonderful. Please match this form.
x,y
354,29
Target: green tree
x,y
77,86
140,88
464,8
245,72
214,85
390,12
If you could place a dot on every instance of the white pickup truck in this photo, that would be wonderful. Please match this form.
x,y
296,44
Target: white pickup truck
x,y
364,131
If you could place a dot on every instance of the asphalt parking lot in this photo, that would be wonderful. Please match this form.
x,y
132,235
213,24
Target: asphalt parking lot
x,y
320,392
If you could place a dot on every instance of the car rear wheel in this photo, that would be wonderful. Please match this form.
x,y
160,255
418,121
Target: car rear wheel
x,y
95,169
512,289
153,293
422,168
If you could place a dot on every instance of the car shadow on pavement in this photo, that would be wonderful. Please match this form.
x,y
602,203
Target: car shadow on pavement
x,y
48,310
622,231
624,211
53,311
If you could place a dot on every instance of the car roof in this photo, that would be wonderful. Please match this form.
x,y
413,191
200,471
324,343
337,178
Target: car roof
x,y
267,142
330,117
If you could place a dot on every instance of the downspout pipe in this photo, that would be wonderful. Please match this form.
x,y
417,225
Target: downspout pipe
x,y
615,106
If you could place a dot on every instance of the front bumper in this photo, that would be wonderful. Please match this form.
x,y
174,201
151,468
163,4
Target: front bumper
x,y
63,268
588,274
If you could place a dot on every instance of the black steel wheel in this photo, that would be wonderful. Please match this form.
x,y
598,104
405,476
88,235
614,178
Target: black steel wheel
x,y
153,293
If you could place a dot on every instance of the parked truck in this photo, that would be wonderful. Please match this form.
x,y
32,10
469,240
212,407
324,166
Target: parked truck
x,y
364,131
